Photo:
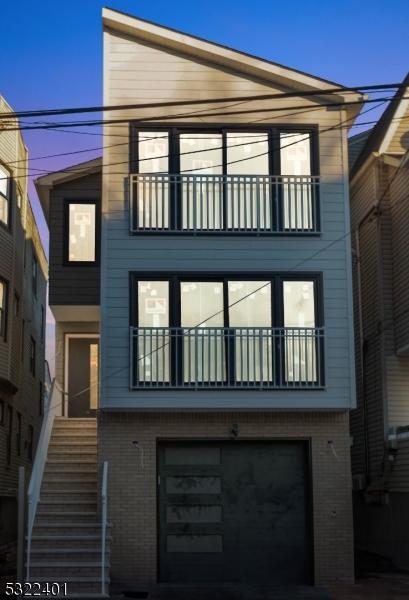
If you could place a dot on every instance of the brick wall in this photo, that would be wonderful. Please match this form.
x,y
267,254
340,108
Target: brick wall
x,y
132,490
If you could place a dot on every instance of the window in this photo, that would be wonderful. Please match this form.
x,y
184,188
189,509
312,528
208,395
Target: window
x,y
81,231
218,180
30,442
23,332
18,438
3,309
32,356
5,187
34,273
227,330
42,322
16,304
1,412
9,433
41,399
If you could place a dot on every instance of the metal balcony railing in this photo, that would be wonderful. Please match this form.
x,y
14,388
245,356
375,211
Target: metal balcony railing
x,y
228,358
203,204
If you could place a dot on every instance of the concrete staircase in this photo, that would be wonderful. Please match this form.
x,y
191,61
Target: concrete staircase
x,y
66,538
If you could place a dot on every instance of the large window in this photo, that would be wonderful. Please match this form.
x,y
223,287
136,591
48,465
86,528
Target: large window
x,y
3,309
5,187
225,180
81,232
234,330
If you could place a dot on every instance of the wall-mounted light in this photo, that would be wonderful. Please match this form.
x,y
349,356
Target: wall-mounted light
x,y
235,430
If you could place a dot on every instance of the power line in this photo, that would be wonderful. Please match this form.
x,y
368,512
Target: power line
x,y
150,119
69,170
89,109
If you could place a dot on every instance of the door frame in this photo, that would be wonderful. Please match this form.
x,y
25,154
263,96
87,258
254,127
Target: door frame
x,y
309,502
67,337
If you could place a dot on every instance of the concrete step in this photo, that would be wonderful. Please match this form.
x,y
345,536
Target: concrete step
x,y
72,449
69,542
68,502
69,466
51,471
61,528
71,476
69,495
68,554
54,570
62,434
65,517
85,485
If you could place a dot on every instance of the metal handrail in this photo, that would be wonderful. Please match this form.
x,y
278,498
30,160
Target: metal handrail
x,y
227,358
104,521
228,204
33,492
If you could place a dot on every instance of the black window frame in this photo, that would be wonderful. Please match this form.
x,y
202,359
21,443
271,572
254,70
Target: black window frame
x,y
2,411
277,279
32,364
277,302
4,311
41,399
18,435
30,443
8,198
43,322
273,131
9,434
66,232
16,304
34,272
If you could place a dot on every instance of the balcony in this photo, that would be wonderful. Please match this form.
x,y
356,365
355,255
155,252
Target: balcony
x,y
227,358
224,204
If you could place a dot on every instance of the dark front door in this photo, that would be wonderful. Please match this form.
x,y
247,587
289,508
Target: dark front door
x,y
233,512
83,387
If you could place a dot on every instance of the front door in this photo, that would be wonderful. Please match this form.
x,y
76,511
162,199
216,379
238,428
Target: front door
x,y
83,386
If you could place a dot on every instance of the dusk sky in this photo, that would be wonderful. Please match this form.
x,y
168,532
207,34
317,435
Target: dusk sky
x,y
51,56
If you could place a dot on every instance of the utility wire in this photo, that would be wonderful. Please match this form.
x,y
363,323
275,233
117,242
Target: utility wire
x,y
280,96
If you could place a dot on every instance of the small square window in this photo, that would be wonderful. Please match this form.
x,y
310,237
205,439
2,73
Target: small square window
x,y
16,304
34,274
3,309
5,184
81,232
30,442
33,356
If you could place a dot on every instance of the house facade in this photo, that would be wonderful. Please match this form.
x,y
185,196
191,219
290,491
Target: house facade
x,y
222,336
379,186
23,282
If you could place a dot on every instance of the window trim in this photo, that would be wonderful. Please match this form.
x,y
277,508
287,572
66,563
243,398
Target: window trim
x,y
32,364
66,232
273,131
8,198
2,411
277,278
19,431
9,435
4,314
34,272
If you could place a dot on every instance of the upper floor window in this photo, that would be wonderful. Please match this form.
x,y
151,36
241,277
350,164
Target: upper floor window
x,y
32,356
3,309
34,273
81,232
5,190
233,331
262,181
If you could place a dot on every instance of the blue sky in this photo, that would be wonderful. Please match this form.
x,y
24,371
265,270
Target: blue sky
x,y
51,52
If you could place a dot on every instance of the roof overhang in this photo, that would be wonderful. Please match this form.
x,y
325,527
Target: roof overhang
x,y
46,183
233,59
75,312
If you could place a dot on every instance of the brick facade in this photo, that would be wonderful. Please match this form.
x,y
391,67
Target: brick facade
x,y
132,489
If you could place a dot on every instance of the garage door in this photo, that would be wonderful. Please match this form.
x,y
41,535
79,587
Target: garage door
x,y
234,511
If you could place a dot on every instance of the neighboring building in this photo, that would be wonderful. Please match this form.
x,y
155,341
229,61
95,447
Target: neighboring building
x,y
220,234
23,282
379,190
